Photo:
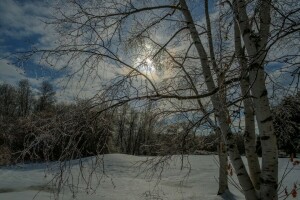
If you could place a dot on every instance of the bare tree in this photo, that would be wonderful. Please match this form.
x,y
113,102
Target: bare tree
x,y
47,97
286,126
7,100
24,98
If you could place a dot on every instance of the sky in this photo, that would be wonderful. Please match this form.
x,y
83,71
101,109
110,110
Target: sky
x,y
22,26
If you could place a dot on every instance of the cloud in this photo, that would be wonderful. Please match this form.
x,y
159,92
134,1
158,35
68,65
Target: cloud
x,y
21,25
12,74
22,19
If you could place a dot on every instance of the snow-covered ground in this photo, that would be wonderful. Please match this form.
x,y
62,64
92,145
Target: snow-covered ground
x,y
122,177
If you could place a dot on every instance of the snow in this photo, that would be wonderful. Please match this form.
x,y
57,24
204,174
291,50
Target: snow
x,y
125,177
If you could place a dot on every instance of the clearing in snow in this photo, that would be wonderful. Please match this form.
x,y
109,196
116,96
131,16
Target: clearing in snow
x,y
119,176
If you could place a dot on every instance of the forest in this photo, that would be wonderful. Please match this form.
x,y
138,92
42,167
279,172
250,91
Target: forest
x,y
37,128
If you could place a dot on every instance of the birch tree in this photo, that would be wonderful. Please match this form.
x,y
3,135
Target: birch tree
x,y
249,133
220,111
258,32
255,44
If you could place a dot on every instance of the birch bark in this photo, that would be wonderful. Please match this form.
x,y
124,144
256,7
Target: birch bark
x,y
255,44
249,132
220,110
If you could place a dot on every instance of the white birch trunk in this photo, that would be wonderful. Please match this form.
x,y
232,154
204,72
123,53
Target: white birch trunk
x,y
221,110
250,139
269,175
256,48
249,132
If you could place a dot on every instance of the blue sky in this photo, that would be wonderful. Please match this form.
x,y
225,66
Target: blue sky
x,y
22,26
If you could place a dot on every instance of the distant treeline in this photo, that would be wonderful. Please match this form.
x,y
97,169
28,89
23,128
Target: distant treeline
x,y
20,101
37,128
34,127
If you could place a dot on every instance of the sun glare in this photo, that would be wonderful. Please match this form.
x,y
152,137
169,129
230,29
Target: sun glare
x,y
146,65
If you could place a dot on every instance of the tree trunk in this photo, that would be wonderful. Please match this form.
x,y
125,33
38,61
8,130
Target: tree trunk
x,y
269,176
250,138
255,44
222,152
249,132
221,110
223,161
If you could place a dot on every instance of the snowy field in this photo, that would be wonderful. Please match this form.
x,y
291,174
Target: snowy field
x,y
122,177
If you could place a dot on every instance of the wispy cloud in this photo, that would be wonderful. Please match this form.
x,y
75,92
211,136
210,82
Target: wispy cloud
x,y
12,74
22,19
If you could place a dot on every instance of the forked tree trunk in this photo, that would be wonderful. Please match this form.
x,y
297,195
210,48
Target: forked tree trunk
x,y
249,132
269,175
221,110
255,44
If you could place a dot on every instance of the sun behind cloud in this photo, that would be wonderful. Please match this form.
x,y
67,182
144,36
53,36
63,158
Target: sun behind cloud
x,y
145,66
